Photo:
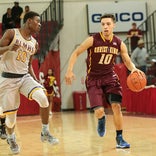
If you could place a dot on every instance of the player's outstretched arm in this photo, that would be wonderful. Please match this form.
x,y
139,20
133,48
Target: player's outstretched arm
x,y
69,76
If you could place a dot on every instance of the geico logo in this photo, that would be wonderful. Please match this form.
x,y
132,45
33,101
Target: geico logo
x,y
123,17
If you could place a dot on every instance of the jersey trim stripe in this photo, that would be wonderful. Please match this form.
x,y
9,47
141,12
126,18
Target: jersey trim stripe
x,y
10,112
33,90
105,39
90,61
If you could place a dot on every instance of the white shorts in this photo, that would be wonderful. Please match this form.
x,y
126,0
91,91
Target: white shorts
x,y
11,88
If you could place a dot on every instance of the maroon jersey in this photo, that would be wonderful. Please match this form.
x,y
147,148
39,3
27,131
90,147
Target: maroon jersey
x,y
134,39
49,83
102,55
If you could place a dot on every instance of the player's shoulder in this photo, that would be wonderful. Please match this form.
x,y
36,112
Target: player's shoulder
x,y
117,39
10,32
96,34
8,35
33,38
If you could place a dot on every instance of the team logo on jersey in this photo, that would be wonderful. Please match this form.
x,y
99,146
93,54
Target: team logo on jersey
x,y
114,43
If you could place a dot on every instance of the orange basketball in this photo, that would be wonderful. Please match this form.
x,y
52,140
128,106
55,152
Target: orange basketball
x,y
136,82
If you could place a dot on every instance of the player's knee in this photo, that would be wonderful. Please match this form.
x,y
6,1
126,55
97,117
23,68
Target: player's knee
x,y
99,112
40,97
116,108
10,120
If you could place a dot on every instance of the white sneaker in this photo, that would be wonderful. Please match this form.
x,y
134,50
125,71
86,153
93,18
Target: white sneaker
x,y
47,137
13,145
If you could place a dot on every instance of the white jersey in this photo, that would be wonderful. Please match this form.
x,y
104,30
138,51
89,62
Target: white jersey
x,y
17,61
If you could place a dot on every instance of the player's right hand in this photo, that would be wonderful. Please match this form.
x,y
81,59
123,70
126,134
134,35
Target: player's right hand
x,y
69,77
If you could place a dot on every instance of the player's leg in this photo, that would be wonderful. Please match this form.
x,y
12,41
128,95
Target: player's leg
x,y
10,101
100,114
115,101
11,138
50,100
33,90
40,97
96,101
3,134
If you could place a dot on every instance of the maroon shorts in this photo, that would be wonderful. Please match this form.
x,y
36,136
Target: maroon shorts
x,y
99,90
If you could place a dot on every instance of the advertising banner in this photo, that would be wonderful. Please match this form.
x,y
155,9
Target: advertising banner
x,y
125,13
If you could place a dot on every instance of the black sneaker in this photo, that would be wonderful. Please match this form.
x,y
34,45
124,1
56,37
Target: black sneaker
x,y
3,134
101,127
121,143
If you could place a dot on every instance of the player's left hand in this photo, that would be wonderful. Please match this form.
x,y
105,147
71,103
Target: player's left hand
x,y
69,77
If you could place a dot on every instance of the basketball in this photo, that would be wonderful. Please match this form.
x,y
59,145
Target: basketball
x,y
136,82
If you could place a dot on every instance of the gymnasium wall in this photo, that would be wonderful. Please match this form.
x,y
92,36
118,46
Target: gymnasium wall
x,y
71,35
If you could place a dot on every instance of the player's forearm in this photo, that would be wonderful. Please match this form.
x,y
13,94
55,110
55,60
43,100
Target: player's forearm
x,y
72,61
130,65
3,49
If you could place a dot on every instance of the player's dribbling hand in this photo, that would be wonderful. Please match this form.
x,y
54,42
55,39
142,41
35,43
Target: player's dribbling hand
x,y
69,77
136,70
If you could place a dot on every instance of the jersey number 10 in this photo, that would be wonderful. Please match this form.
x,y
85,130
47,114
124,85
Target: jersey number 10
x,y
106,58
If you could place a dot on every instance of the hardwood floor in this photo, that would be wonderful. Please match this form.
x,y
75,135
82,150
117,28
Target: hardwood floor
x,y
77,134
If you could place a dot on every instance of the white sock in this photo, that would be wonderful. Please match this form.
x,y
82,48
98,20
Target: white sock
x,y
10,136
45,128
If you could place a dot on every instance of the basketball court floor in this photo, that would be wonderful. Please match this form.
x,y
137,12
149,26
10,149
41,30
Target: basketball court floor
x,y
77,134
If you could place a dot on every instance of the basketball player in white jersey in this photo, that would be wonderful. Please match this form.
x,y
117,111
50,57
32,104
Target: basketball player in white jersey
x,y
17,46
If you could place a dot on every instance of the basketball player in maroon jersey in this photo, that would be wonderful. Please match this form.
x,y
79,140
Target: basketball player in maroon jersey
x,y
101,79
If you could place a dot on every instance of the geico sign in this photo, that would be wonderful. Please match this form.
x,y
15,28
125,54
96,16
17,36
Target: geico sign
x,y
123,17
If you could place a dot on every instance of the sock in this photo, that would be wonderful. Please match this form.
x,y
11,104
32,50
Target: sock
x,y
11,135
118,132
45,128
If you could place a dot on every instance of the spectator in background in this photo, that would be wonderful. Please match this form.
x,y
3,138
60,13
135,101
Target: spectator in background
x,y
7,21
52,89
134,34
139,56
27,9
151,73
16,13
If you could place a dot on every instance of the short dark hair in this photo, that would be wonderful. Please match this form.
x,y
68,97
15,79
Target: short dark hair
x,y
30,14
108,16
16,2
134,24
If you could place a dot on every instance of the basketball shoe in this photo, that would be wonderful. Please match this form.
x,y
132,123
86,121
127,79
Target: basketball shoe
x,y
47,137
101,126
121,143
3,134
13,145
